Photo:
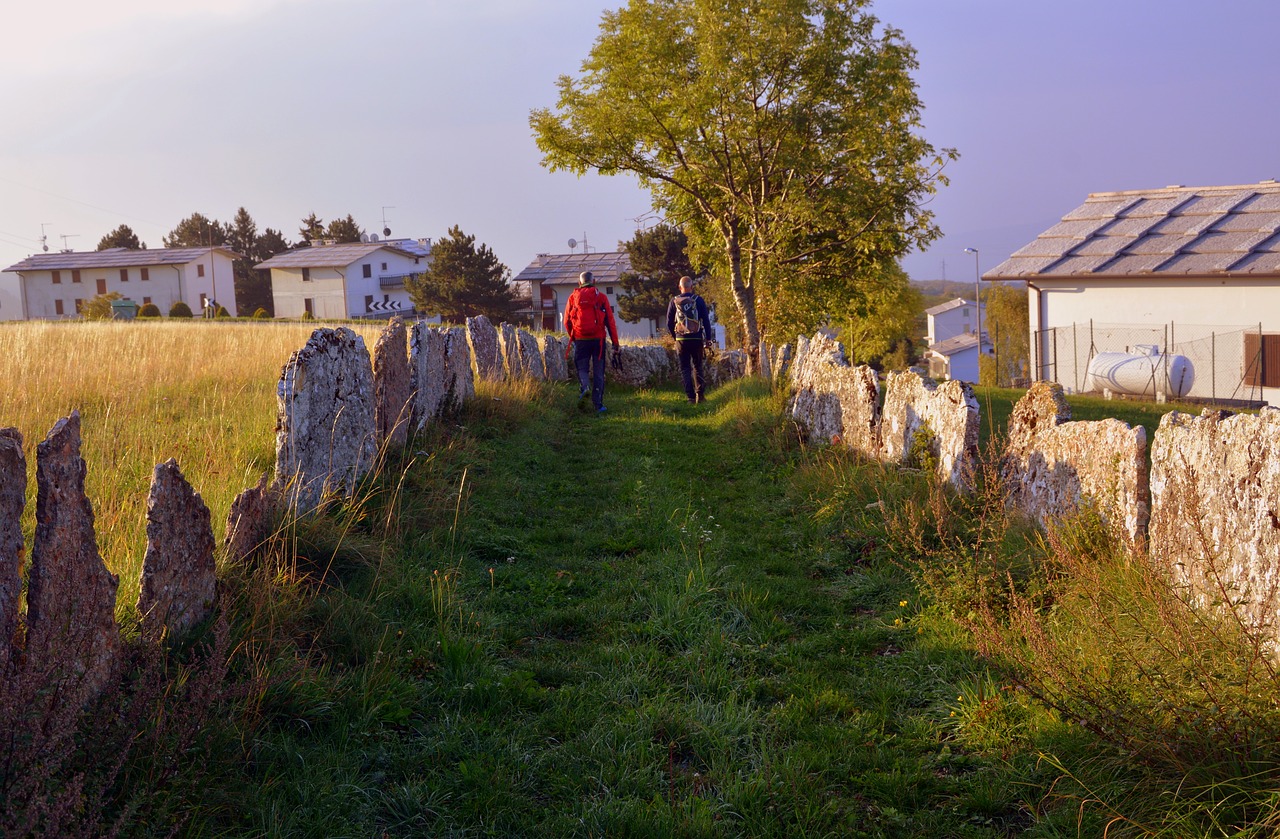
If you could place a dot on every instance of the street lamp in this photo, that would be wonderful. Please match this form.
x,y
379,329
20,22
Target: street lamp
x,y
977,295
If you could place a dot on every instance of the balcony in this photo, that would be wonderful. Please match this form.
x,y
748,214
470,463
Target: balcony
x,y
395,281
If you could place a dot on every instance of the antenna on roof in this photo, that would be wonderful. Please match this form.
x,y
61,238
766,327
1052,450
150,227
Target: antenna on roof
x,y
386,230
65,237
364,237
44,240
573,243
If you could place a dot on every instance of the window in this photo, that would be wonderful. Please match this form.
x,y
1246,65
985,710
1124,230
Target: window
x,y
366,270
124,275
57,277
75,275
146,274
306,275
57,307
368,302
309,305
102,285
200,269
384,266
1261,360
608,290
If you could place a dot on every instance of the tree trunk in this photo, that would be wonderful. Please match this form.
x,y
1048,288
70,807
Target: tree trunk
x,y
744,296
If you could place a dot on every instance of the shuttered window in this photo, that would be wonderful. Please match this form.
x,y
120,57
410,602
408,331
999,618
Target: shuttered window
x,y
1261,359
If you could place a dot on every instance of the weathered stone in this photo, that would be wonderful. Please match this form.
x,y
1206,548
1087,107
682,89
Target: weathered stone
x,y
250,521
726,366
431,376
71,596
951,413
1053,467
644,365
553,358
766,363
392,386
462,381
833,401
179,588
483,338
13,498
509,349
325,422
530,355
782,363
1215,509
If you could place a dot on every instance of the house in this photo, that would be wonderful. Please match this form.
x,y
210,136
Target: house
x,y
351,280
10,296
947,320
551,278
1171,292
956,357
56,285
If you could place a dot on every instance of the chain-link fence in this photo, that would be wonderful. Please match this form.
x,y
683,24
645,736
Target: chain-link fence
x,y
1180,361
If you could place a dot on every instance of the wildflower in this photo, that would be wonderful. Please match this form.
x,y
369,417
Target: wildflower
x,y
902,602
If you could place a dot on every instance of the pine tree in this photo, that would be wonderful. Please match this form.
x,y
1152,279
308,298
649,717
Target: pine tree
x,y
463,281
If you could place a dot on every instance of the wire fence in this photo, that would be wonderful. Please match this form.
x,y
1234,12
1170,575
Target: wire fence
x,y
1218,364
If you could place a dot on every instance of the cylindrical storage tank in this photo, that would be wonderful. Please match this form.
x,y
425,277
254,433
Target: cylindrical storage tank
x,y
1141,375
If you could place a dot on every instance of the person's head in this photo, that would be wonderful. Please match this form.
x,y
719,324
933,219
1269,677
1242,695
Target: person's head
x,y
686,284
586,278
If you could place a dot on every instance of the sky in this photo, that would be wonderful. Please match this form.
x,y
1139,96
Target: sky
x,y
413,115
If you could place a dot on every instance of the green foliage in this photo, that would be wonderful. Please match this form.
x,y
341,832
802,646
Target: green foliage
x,y
1005,322
149,310
659,258
344,230
261,314
782,139
463,281
307,316
99,308
122,237
197,231
312,228
180,310
876,312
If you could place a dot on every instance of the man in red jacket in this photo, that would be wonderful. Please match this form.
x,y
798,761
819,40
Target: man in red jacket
x,y
587,318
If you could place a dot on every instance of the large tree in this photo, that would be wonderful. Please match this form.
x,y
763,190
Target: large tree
x,y
462,281
780,134
312,228
196,231
122,237
1005,321
344,230
659,258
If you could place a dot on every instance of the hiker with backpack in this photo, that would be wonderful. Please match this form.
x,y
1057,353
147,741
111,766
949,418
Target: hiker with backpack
x,y
587,318
689,323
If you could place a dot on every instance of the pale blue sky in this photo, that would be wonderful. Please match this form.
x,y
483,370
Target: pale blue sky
x,y
144,111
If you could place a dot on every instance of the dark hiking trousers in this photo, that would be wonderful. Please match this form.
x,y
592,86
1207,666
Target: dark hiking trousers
x,y
690,354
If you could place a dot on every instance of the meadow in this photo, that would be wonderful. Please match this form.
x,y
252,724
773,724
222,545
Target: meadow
x,y
671,620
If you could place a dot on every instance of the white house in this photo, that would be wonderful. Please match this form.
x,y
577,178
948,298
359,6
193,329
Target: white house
x,y
340,281
10,296
56,285
947,320
956,357
1167,292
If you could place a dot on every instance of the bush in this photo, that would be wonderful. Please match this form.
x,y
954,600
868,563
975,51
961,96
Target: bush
x,y
99,308
149,310
180,310
261,314
308,316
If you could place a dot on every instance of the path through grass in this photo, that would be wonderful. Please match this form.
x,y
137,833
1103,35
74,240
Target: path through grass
x,y
643,624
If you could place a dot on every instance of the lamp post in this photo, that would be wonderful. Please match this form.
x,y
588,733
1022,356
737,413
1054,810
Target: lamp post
x,y
977,296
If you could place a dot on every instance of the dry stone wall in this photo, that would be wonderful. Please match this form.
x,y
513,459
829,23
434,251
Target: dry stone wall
x,y
325,426
462,379
1052,467
553,358
13,499
1215,508
483,339
833,401
644,365
431,374
249,521
179,583
392,386
950,412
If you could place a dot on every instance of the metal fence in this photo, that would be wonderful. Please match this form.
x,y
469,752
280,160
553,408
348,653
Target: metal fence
x,y
1175,360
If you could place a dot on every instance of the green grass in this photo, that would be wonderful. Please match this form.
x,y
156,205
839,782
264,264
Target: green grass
x,y
666,621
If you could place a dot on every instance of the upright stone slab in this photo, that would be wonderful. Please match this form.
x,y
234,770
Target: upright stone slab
x,y
325,422
249,521
951,413
782,363
553,360
457,355
833,401
13,498
392,386
1052,467
178,589
431,374
1215,508
644,365
726,366
530,351
483,338
71,596
766,362
509,349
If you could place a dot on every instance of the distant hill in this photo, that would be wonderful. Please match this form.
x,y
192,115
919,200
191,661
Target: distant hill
x,y
940,291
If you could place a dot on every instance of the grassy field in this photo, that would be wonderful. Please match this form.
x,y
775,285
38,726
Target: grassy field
x,y
670,620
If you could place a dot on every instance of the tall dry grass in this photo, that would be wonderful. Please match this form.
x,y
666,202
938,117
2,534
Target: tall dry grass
x,y
200,392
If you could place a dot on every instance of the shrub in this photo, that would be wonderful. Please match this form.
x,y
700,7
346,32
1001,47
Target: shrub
x,y
308,316
261,314
149,310
99,308
180,310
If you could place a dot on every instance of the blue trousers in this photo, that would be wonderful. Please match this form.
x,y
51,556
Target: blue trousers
x,y
588,357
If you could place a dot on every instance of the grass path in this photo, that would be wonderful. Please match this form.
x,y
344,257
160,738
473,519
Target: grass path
x,y
649,623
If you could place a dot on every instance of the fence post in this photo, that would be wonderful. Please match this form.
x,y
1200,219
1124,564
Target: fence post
x,y
1213,366
1075,354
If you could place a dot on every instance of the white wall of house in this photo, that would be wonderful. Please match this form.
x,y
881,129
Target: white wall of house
x,y
958,321
10,296
211,277
1195,306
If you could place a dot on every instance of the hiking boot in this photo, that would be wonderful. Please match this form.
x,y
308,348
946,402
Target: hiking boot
x,y
601,409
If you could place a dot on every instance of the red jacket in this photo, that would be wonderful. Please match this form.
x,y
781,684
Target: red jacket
x,y
588,315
